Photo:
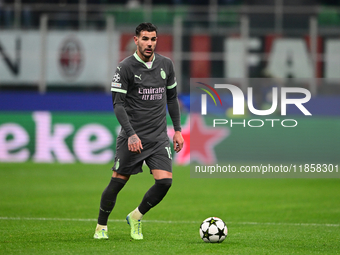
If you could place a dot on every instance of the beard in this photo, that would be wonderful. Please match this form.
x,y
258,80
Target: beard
x,y
146,54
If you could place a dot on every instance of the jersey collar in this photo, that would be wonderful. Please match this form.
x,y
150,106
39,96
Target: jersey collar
x,y
140,60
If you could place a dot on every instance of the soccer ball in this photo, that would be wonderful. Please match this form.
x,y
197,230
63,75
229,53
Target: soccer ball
x,y
213,230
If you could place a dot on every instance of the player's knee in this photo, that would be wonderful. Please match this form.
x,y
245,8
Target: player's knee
x,y
165,183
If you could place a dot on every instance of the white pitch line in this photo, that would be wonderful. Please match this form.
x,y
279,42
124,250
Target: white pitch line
x,y
179,222
288,224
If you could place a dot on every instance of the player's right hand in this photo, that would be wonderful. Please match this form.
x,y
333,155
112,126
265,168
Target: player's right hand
x,y
135,144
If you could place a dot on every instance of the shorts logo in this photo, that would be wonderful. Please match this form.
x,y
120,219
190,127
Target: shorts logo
x,y
163,74
116,77
117,164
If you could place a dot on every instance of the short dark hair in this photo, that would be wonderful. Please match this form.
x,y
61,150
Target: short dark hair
x,y
145,27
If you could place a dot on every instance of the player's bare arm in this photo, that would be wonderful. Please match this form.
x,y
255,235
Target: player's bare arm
x,y
178,141
135,144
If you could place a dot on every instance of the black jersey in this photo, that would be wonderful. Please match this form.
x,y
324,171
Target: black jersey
x,y
143,91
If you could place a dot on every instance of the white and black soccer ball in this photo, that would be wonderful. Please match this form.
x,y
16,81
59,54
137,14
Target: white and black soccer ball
x,y
213,230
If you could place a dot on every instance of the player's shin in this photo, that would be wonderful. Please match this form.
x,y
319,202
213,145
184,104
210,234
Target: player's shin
x,y
155,194
108,199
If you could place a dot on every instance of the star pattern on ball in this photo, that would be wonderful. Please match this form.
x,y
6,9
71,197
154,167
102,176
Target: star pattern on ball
x,y
206,234
212,221
213,230
220,233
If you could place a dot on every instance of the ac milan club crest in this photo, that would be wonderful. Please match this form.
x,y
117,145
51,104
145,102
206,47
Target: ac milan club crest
x,y
71,58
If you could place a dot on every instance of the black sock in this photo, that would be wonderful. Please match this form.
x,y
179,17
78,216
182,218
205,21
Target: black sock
x,y
155,195
108,199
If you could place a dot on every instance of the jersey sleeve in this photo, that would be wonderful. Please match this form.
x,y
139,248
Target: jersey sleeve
x,y
122,117
120,79
171,83
172,100
119,87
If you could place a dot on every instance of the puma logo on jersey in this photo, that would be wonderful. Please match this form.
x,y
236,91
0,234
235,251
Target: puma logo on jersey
x,y
118,67
139,77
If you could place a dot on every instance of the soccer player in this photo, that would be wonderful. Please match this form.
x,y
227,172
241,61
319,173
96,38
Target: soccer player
x,y
143,85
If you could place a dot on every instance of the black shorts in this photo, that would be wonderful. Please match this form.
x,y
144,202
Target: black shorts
x,y
157,155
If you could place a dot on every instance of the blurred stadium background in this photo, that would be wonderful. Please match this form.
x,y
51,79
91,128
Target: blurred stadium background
x,y
57,59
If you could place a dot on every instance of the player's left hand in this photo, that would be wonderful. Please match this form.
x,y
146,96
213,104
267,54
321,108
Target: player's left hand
x,y
178,141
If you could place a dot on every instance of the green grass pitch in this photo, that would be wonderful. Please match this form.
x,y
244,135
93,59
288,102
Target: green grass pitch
x,y
52,209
